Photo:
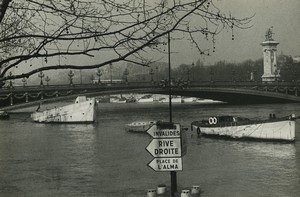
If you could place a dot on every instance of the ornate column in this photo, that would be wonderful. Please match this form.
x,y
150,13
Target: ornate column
x,y
271,70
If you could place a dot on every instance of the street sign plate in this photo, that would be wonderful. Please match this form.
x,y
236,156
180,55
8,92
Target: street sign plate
x,y
156,132
166,164
165,147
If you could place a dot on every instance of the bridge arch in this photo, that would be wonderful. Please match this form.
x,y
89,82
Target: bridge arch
x,y
248,94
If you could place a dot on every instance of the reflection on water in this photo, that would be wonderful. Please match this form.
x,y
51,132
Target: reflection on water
x,y
269,150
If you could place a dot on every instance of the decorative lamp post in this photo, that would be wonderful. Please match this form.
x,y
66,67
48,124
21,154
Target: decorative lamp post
x,y
151,73
47,80
41,75
71,75
99,74
10,81
126,73
24,80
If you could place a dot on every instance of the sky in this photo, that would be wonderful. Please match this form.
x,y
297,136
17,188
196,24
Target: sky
x,y
283,15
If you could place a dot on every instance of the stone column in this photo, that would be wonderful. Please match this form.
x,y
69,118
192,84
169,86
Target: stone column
x,y
271,70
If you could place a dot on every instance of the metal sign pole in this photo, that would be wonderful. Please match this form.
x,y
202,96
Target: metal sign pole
x,y
173,173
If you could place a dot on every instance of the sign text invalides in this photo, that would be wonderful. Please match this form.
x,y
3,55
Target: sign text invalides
x,y
155,132
165,147
166,164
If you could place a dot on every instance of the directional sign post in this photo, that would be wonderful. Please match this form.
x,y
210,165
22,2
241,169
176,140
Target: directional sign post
x,y
167,147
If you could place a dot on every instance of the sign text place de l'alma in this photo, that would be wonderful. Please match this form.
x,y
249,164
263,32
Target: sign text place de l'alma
x,y
166,164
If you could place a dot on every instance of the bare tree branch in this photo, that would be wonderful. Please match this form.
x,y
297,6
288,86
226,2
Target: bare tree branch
x,y
36,30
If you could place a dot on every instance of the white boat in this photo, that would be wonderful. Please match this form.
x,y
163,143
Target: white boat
x,y
236,127
173,100
207,101
188,99
139,126
146,99
82,111
117,100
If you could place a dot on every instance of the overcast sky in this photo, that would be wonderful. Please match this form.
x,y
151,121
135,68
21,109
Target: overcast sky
x,y
283,15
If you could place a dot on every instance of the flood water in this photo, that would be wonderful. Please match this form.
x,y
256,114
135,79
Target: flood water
x,y
103,160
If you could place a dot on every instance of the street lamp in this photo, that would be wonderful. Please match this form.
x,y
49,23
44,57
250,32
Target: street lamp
x,y
126,73
110,68
71,75
41,75
10,81
99,74
24,81
47,80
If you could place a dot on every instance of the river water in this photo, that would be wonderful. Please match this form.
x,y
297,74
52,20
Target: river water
x,y
103,160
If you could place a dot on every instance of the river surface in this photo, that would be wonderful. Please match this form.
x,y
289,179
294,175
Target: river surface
x,y
103,160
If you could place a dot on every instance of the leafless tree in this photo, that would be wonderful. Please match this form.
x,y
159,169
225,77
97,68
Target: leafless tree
x,y
50,30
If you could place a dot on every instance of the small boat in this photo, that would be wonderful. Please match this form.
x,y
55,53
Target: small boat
x,y
139,126
82,111
207,101
4,115
117,100
188,99
240,128
146,99
175,99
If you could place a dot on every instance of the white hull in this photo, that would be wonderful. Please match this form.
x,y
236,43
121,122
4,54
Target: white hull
x,y
116,100
174,100
188,100
139,126
280,130
146,100
82,111
207,101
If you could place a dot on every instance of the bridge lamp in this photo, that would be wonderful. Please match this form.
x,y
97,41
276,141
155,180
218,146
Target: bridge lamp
x,y
41,75
24,81
47,80
126,73
10,81
99,74
110,68
71,75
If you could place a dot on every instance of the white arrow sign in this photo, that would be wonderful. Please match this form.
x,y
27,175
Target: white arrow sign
x,y
166,164
155,132
165,147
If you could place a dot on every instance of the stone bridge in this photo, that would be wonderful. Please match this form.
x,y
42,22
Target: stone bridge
x,y
231,92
